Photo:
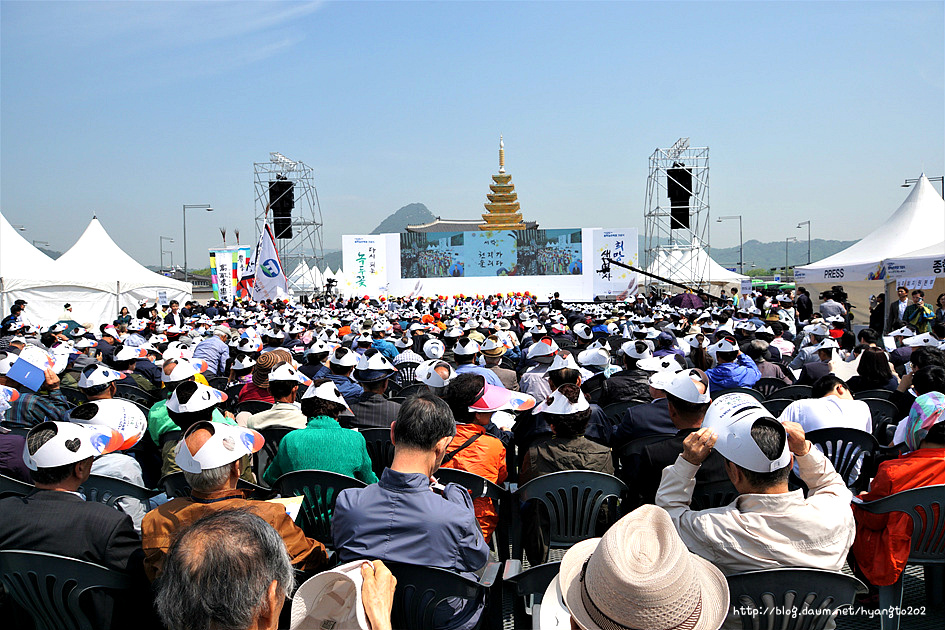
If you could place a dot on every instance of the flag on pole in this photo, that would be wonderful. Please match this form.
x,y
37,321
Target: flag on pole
x,y
269,276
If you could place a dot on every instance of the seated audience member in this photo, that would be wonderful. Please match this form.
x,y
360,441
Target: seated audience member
x,y
233,548
903,397
687,396
11,444
342,362
824,365
785,347
492,352
630,383
533,381
54,518
883,541
209,455
215,350
436,375
768,525
807,351
757,351
873,372
732,369
372,410
284,381
405,518
473,404
631,578
126,360
466,355
322,444
648,419
832,406
315,357
567,411
31,408
258,388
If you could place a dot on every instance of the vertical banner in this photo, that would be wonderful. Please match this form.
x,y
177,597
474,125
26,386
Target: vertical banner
x,y
214,278
365,263
227,265
620,245
270,281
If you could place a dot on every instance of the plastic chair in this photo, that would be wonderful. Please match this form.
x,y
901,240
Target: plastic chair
x,y
51,588
767,386
411,390
422,589
14,487
108,490
926,507
795,392
884,414
848,450
573,499
527,589
776,406
75,396
633,448
754,393
379,448
320,490
175,486
127,391
253,406
789,598
714,494
218,382
881,394
261,458
614,411
479,488
406,374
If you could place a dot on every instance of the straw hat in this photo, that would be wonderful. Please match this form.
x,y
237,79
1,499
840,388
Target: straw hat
x,y
640,575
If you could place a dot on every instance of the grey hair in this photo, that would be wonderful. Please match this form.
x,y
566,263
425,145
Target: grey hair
x,y
210,479
218,571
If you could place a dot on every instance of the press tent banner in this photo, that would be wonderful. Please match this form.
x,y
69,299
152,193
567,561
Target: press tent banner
x,y
619,245
365,263
270,281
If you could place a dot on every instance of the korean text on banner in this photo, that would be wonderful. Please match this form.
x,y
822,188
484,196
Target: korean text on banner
x,y
746,286
619,245
365,263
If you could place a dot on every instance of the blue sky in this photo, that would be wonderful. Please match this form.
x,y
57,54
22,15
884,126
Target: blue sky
x,y
129,110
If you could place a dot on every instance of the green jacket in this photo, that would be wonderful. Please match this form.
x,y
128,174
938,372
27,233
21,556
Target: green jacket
x,y
322,445
159,422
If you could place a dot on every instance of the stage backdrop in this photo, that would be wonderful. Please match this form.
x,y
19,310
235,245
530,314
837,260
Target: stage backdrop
x,y
540,261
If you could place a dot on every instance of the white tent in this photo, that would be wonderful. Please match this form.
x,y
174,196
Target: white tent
x,y
678,264
22,268
927,262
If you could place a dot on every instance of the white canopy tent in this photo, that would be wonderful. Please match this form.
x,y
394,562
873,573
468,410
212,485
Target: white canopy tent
x,y
23,268
676,265
96,276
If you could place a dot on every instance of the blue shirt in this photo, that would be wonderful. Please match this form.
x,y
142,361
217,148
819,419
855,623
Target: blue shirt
x,y
741,373
214,352
350,390
489,375
386,348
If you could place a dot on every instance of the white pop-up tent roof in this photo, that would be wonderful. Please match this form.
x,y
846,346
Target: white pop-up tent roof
x,y
677,265
22,267
917,224
927,262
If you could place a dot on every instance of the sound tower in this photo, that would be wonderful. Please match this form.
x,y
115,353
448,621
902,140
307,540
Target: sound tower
x,y
281,202
679,191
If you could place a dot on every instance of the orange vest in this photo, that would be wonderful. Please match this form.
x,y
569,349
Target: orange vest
x,y
484,457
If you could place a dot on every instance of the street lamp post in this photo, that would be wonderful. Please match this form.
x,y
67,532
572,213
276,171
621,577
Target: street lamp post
x,y
800,225
204,206
940,180
169,240
786,241
741,246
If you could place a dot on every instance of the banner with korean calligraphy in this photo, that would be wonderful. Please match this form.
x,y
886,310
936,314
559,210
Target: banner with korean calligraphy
x,y
227,265
620,245
491,253
364,261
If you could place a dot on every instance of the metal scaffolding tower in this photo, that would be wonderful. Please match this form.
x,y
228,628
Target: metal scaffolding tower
x,y
679,246
306,219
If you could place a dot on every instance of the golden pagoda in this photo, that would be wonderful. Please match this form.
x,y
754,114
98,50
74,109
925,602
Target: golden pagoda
x,y
503,203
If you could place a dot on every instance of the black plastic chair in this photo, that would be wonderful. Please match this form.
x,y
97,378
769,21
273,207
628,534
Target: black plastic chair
x,y
108,490
849,450
573,499
527,589
754,393
593,384
127,391
52,588
706,496
24,431
319,489
412,389
14,487
175,486
884,414
379,448
776,406
926,507
218,382
75,396
482,488
406,374
634,448
767,386
422,589
262,457
253,406
614,411
882,394
794,392
790,598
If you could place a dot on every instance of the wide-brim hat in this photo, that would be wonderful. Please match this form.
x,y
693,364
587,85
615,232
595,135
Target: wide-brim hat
x,y
492,347
328,391
495,398
330,599
97,374
227,444
373,366
73,442
640,575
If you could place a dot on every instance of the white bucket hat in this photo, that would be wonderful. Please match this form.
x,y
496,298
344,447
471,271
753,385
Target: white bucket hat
x,y
594,356
464,347
328,391
345,357
115,413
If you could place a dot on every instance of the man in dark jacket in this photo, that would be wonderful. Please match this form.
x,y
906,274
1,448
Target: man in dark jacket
x,y
631,383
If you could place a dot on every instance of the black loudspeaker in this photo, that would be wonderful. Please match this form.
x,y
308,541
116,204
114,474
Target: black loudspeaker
x,y
282,202
679,191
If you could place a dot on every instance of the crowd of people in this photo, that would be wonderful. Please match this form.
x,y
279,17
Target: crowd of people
x,y
501,386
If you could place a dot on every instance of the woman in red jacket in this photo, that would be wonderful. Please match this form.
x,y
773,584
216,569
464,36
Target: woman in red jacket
x,y
883,541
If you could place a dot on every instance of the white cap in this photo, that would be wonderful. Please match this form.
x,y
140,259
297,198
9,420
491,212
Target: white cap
x,y
666,363
285,372
130,353
97,374
826,344
328,391
72,443
426,373
732,417
185,369
331,599
464,347
559,405
560,363
345,357
542,348
226,444
905,331
629,348
187,400
683,386
661,380
723,345
594,356
244,363
434,349
583,331
925,339
115,413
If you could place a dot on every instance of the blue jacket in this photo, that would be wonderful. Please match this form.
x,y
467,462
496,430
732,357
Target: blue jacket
x,y
350,390
386,348
741,373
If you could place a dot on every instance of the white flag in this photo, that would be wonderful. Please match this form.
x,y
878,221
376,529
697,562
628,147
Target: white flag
x,y
270,280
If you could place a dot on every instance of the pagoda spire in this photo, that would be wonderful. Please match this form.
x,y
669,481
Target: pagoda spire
x,y
501,155
503,207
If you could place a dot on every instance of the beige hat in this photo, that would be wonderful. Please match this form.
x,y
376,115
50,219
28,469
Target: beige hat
x,y
640,575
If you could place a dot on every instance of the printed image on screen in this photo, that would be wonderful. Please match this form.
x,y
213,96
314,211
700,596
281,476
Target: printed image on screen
x,y
482,254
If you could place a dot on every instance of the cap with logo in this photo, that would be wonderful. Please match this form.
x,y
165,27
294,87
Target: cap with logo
x,y
72,442
97,374
227,443
732,417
